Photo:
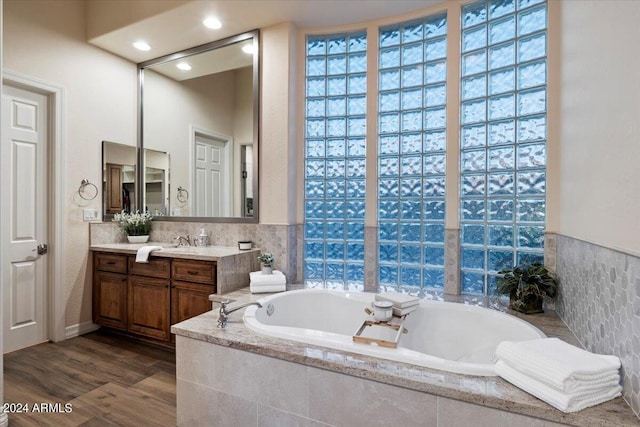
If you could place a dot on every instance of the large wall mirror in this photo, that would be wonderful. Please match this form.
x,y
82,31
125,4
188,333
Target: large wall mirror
x,y
198,132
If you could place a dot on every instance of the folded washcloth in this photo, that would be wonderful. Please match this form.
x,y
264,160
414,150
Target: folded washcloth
x,y
259,279
558,364
267,288
143,253
399,300
566,402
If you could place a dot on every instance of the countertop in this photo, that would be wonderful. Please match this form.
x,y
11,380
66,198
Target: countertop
x,y
488,391
207,253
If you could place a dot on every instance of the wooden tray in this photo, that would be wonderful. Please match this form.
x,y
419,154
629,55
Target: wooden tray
x,y
385,334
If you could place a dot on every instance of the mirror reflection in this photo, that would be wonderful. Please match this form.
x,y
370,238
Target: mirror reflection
x,y
118,178
199,112
156,178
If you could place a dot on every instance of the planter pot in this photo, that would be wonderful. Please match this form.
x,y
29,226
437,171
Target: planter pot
x,y
267,269
529,305
138,239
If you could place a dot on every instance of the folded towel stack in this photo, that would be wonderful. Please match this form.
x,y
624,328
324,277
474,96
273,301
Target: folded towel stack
x,y
276,282
402,303
143,253
564,376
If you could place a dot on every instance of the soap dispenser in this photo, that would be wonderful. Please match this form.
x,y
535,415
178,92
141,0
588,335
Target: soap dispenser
x,y
203,239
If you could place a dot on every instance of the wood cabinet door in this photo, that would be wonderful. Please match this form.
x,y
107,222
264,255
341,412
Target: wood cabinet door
x,y
189,300
113,189
110,299
148,307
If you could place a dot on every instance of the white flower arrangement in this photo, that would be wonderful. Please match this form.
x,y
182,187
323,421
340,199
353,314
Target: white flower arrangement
x,y
134,224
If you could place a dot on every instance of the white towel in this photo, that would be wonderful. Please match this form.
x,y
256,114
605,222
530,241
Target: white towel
x,y
558,364
399,300
143,253
266,288
566,402
259,279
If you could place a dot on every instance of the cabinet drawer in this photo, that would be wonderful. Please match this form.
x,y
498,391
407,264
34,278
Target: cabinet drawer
x,y
194,271
110,262
156,267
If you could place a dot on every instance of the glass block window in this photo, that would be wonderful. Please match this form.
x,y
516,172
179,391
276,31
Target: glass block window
x,y
335,127
411,153
503,138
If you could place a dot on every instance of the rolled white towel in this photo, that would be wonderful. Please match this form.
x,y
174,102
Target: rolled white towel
x,y
143,253
558,364
566,402
277,278
267,288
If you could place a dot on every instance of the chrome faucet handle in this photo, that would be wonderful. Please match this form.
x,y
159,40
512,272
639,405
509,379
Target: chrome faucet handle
x,y
222,313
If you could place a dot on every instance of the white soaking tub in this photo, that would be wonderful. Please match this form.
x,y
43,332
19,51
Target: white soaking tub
x,y
447,336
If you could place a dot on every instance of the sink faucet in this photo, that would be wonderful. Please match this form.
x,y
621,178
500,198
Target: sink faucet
x,y
183,240
223,313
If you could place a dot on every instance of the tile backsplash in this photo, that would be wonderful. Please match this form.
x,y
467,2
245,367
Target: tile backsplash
x,y
599,300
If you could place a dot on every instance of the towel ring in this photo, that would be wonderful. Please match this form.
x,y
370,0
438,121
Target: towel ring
x,y
83,185
183,195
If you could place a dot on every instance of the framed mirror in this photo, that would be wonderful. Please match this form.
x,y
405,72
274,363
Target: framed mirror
x,y
198,132
119,178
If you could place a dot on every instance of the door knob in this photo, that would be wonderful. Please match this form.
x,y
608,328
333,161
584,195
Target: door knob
x,y
42,249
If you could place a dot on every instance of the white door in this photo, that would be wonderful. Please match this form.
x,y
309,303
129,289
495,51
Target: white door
x,y
212,185
23,196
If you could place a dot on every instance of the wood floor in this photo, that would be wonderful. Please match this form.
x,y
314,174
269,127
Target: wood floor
x,y
107,379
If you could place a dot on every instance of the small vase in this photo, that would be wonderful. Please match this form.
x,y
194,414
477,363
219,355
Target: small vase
x,y
138,239
267,269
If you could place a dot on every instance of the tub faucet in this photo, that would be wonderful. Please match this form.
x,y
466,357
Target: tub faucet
x,y
223,313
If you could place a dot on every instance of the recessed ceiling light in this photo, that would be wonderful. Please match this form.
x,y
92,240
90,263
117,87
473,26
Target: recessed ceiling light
x,y
141,45
213,23
183,66
247,48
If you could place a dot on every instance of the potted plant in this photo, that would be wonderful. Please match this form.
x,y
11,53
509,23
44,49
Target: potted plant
x,y
526,286
267,260
137,225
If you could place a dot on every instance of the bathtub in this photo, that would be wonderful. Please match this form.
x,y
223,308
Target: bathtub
x,y
447,336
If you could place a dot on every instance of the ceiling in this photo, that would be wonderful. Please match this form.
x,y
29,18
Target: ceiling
x,y
178,25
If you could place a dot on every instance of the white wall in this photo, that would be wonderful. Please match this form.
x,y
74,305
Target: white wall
x,y
45,40
600,123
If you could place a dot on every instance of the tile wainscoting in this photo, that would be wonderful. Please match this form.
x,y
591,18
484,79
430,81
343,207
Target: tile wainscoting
x,y
224,386
599,300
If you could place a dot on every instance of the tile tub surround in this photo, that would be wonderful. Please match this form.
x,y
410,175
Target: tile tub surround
x,y
281,240
599,299
453,398
233,265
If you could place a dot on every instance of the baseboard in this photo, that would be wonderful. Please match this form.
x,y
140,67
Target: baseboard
x,y
79,329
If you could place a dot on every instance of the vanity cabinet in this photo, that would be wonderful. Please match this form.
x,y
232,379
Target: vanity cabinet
x,y
110,290
147,298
